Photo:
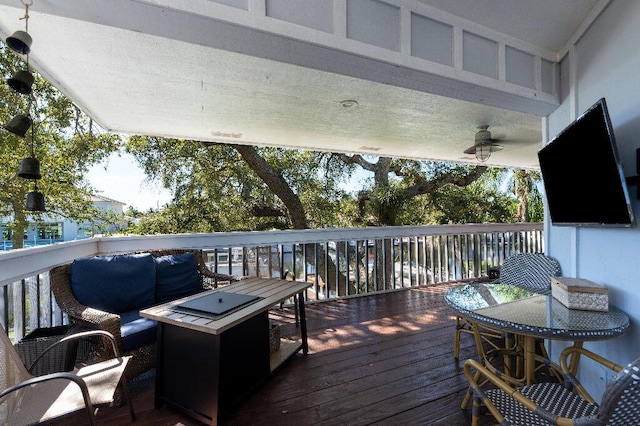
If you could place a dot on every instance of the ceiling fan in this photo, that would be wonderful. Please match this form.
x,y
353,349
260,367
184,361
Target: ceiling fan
x,y
484,145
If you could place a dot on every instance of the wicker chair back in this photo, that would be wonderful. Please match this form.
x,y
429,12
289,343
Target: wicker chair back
x,y
620,403
532,271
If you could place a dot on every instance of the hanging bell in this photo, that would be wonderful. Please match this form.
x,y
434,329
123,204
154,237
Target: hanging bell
x,y
21,82
30,168
20,42
34,201
19,125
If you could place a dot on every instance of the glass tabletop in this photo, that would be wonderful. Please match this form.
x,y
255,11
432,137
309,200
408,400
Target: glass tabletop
x,y
521,311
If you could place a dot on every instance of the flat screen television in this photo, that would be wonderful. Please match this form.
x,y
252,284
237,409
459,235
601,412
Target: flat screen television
x,y
582,174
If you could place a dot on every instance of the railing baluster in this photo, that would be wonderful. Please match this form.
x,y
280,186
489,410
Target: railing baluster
x,y
418,255
281,260
357,264
385,273
31,293
404,247
447,245
347,262
17,306
4,306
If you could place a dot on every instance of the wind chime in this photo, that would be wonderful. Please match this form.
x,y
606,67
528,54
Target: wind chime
x,y
22,82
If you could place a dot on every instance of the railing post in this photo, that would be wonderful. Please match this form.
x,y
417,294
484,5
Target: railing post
x,y
4,307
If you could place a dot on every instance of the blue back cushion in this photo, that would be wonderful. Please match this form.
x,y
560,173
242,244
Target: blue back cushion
x,y
177,276
115,284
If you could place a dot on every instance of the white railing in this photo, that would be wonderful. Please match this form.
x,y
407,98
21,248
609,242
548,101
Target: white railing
x,y
339,262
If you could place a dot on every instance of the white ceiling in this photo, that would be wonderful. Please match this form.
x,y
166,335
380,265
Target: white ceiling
x,y
138,74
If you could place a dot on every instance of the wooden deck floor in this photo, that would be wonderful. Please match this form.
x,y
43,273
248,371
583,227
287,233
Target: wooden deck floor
x,y
374,360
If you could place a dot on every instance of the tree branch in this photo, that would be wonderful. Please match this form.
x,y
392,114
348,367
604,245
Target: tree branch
x,y
267,211
276,183
359,160
432,185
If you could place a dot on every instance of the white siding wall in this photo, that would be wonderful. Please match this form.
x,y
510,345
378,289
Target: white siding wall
x,y
607,65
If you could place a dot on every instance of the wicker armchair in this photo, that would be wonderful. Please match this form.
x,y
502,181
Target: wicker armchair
x,y
28,399
566,403
142,358
531,271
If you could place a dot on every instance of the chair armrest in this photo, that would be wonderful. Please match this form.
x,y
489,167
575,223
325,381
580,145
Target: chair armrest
x,y
78,336
53,376
95,319
482,372
567,353
566,357
84,334
482,375
207,273
213,278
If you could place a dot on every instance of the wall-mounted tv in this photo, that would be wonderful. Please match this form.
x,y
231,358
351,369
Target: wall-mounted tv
x,y
582,174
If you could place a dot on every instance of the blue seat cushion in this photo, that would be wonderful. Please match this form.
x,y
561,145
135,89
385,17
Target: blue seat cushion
x,y
176,276
115,284
136,331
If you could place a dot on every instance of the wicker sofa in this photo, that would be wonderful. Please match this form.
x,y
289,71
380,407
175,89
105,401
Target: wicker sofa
x,y
107,293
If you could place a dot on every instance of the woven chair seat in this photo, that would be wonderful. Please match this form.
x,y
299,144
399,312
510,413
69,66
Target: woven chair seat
x,y
558,403
551,396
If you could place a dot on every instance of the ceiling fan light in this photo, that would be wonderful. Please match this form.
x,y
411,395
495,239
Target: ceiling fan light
x,y
482,152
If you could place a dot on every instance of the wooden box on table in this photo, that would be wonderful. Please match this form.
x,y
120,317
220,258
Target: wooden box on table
x,y
579,293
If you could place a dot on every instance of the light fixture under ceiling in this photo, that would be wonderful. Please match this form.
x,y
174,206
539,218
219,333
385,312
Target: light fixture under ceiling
x,y
348,103
484,145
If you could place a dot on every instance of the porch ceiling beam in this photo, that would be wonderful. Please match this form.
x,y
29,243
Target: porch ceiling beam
x,y
249,33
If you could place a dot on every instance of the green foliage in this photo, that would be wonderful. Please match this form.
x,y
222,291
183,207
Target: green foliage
x,y
536,206
452,204
214,189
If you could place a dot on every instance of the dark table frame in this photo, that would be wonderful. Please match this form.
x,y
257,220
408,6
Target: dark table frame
x,y
206,366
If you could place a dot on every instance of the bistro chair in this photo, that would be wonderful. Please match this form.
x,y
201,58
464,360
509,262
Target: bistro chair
x,y
26,399
530,271
566,403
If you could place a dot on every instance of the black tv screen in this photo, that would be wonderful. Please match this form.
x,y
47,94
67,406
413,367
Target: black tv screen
x,y
582,174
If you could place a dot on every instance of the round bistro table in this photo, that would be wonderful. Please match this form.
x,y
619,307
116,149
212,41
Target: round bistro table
x,y
532,316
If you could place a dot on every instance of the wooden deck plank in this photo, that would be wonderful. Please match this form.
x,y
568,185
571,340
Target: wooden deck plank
x,y
373,360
